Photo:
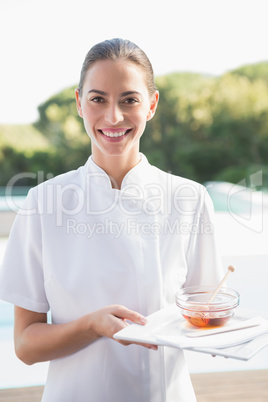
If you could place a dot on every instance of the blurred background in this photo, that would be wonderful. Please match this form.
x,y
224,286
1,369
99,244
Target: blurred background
x,y
211,66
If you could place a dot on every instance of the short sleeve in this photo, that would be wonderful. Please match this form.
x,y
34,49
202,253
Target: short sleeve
x,y
21,273
203,259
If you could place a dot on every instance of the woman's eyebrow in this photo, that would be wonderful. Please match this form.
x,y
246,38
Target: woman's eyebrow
x,y
126,93
130,93
97,91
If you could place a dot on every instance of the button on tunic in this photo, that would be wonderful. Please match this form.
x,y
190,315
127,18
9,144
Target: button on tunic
x,y
81,245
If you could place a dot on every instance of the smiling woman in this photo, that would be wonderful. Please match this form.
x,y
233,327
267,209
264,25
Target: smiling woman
x,y
129,267
115,105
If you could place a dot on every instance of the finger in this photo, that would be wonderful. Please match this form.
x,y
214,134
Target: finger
x,y
126,314
152,347
145,345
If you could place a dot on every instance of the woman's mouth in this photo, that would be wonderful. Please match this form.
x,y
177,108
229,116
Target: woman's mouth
x,y
114,133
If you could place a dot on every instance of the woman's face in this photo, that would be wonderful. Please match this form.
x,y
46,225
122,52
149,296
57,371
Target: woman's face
x,y
115,106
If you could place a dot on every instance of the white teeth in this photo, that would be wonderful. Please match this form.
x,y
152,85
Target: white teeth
x,y
114,134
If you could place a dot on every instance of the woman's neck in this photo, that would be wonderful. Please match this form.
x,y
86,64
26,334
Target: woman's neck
x,y
117,166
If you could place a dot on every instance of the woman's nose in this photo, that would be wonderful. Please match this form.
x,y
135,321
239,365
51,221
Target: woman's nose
x,y
113,114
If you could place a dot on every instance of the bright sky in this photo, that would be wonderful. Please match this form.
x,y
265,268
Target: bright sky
x,y
44,42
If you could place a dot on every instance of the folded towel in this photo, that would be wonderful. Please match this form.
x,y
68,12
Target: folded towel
x,y
221,340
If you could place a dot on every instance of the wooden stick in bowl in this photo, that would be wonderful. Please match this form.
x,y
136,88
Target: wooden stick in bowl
x,y
230,269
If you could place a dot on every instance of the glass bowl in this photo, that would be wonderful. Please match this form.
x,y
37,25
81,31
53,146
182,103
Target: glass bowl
x,y
195,307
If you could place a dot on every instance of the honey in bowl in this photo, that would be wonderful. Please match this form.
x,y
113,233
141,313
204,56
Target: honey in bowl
x,y
195,306
205,320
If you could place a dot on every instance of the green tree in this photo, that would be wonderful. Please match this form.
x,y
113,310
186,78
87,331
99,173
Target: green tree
x,y
60,123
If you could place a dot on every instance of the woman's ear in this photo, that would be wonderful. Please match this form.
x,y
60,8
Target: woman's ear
x,y
78,102
153,106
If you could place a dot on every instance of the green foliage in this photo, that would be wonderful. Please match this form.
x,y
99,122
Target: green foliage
x,y
59,121
254,72
209,128
61,124
206,128
25,169
22,138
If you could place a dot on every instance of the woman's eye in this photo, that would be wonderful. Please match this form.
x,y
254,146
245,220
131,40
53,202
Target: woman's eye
x,y
97,99
130,101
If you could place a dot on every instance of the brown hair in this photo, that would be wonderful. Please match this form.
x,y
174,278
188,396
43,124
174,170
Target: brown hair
x,y
115,49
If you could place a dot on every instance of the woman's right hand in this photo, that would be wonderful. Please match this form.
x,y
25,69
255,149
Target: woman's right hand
x,y
37,341
111,319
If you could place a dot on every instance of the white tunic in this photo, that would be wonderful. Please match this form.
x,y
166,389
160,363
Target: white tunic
x,y
78,245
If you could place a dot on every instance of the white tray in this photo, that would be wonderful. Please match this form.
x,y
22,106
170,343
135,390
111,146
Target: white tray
x,y
167,327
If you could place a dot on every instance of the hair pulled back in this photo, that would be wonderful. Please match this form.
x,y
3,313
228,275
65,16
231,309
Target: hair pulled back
x,y
115,49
